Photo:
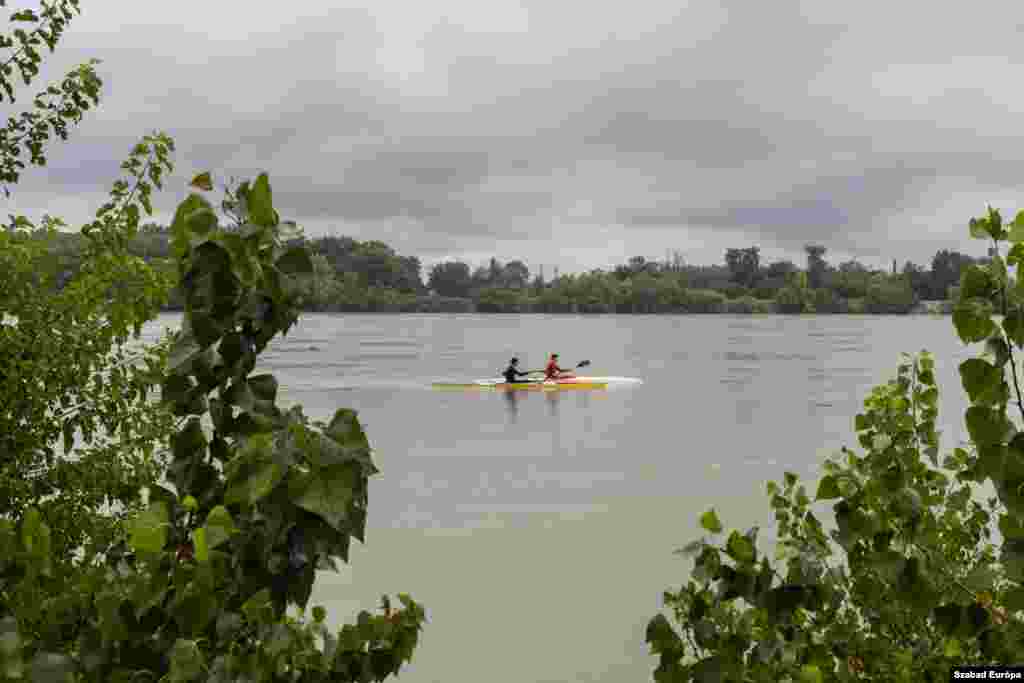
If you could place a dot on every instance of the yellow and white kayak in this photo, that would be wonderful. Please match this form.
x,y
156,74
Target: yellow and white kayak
x,y
578,382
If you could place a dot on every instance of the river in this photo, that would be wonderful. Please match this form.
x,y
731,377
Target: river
x,y
538,528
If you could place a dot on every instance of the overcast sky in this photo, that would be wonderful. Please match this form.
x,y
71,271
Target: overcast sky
x,y
571,133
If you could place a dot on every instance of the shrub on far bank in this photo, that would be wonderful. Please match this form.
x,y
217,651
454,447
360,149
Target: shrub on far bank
x,y
704,301
749,305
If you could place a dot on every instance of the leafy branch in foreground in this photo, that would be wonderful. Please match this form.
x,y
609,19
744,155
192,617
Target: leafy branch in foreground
x,y
255,501
917,585
53,107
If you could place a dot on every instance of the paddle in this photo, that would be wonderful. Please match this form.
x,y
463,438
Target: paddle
x,y
581,364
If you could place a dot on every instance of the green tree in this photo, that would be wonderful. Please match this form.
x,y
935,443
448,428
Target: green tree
x,y
252,501
907,582
744,265
816,265
946,269
451,278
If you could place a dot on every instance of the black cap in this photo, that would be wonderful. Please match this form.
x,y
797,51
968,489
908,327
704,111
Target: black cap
x,y
514,360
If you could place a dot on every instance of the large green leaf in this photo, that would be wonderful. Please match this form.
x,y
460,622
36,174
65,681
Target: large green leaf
x,y
190,442
253,482
1013,324
219,526
186,661
261,204
973,321
202,220
327,492
986,426
827,488
52,667
185,347
253,474
345,429
740,548
981,379
179,225
148,529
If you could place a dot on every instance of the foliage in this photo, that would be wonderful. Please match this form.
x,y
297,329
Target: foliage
x,y
54,107
816,265
254,500
703,301
901,589
890,294
743,264
907,582
450,278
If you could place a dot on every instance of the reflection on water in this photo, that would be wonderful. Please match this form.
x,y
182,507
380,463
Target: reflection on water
x,y
512,403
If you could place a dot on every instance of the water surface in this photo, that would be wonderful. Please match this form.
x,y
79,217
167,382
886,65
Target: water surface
x,y
538,528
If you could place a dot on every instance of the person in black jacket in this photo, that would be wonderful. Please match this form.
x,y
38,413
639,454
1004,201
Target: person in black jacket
x,y
513,371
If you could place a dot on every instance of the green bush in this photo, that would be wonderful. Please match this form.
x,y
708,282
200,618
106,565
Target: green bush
x,y
906,580
703,301
748,305
890,295
856,306
737,292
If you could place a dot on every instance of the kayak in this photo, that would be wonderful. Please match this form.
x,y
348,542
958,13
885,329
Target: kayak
x,y
577,382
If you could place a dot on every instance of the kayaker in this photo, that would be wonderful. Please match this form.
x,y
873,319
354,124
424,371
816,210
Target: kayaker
x,y
513,371
552,371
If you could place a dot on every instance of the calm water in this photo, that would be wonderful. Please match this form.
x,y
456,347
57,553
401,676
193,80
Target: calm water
x,y
538,528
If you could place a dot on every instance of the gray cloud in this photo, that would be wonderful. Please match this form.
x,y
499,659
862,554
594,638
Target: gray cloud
x,y
568,134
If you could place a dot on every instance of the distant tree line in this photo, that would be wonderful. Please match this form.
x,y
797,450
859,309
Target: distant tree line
x,y
350,275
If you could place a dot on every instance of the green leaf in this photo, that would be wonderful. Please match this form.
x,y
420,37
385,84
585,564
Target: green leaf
x,y
740,548
200,545
810,673
186,661
1011,527
219,526
52,667
179,226
980,378
295,261
827,488
978,228
973,321
327,492
184,349
709,521
148,529
261,205
1013,600
1013,323
319,614
253,481
976,282
202,220
986,426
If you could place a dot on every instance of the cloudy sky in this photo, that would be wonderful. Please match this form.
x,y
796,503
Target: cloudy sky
x,y
572,133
